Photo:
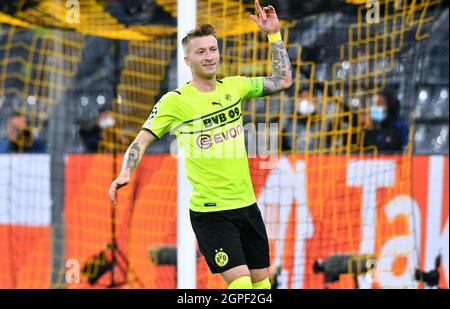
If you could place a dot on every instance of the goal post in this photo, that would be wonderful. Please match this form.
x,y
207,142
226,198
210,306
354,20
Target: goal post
x,y
186,246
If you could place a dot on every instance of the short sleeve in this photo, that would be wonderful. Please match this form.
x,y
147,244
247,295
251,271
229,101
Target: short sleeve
x,y
162,117
253,87
250,87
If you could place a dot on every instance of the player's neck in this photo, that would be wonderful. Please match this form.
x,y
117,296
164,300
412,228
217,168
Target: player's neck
x,y
204,84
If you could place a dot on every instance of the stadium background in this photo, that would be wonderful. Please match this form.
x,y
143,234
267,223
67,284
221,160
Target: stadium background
x,y
330,198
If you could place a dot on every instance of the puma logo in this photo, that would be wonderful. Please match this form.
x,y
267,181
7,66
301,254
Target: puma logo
x,y
217,103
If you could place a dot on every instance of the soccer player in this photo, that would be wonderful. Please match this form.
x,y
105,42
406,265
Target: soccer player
x,y
205,114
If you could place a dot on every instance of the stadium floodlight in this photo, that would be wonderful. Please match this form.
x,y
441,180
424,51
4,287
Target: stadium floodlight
x,y
423,95
355,103
339,264
31,100
101,100
84,101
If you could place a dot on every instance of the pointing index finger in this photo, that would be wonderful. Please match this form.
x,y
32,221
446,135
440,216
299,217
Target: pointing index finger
x,y
258,7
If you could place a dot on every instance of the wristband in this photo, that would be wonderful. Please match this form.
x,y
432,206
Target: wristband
x,y
274,37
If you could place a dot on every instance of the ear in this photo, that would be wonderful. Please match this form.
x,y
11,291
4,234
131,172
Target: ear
x,y
186,60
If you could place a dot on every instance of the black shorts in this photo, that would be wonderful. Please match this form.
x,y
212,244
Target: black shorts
x,y
231,238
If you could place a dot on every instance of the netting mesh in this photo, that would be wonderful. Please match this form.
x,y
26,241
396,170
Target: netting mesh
x,y
322,196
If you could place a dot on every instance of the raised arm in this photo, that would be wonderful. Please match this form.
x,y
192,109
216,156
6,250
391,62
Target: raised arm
x,y
281,78
132,157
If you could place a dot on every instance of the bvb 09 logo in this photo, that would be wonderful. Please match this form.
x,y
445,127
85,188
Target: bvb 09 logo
x,y
204,141
221,258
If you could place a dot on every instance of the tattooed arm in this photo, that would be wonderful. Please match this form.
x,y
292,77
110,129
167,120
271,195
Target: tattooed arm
x,y
132,157
130,161
281,79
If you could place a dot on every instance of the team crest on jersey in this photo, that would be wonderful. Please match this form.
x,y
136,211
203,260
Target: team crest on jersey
x,y
228,97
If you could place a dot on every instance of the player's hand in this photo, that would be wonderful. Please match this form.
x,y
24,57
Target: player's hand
x,y
266,18
122,180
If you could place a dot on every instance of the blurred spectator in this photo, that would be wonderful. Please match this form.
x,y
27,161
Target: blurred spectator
x,y
91,132
19,137
385,129
304,131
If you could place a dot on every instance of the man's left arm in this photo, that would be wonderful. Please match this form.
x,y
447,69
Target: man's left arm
x,y
281,78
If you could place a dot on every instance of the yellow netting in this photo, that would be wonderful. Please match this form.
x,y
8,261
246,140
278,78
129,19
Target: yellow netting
x,y
39,82
146,213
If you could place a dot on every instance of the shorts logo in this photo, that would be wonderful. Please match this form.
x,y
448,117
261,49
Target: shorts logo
x,y
204,141
221,258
